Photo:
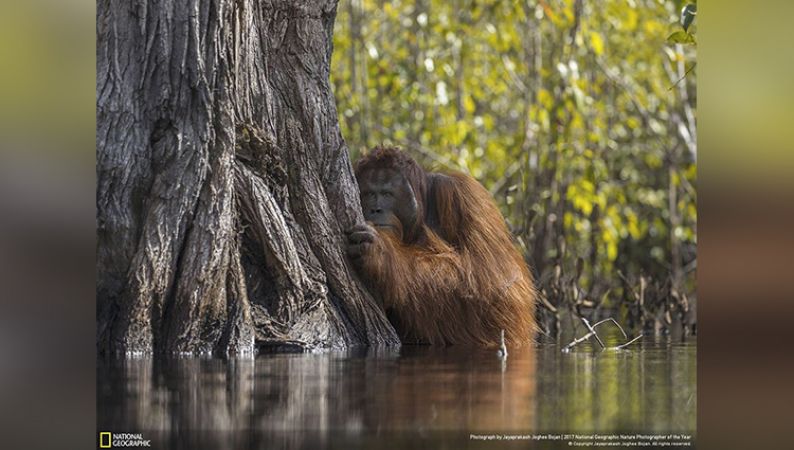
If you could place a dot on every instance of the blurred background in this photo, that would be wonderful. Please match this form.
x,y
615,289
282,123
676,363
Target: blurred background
x,y
47,228
578,116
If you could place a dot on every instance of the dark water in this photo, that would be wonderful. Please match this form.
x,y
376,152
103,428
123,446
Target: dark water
x,y
414,397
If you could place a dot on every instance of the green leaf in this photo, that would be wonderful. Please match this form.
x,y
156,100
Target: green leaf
x,y
681,37
688,13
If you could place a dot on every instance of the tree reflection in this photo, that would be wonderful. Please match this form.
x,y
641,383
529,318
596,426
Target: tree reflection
x,y
335,399
295,398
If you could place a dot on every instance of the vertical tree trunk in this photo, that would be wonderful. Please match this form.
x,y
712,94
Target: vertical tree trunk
x,y
223,183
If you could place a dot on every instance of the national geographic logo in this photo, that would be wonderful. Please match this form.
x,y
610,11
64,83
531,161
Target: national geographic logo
x,y
114,440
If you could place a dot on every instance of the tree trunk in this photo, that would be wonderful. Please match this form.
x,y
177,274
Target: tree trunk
x,y
223,182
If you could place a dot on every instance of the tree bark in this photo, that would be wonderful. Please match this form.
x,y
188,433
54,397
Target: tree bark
x,y
223,182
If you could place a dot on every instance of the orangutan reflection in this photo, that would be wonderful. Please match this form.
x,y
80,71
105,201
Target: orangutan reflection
x,y
298,400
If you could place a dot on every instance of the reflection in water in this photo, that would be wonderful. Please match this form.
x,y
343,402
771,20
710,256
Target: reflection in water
x,y
341,399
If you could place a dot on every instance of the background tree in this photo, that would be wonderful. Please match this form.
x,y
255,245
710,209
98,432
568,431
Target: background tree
x,y
578,115
223,182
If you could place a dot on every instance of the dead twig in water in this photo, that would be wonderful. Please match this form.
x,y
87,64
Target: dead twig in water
x,y
502,352
587,336
629,342
609,319
592,333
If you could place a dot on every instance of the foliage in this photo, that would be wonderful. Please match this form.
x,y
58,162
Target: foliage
x,y
579,116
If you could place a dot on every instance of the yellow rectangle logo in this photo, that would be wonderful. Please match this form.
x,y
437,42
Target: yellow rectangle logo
x,y
104,439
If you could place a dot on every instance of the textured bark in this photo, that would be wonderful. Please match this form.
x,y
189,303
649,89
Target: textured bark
x,y
223,183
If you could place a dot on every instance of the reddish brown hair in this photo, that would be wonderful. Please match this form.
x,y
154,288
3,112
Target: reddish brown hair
x,y
386,157
464,281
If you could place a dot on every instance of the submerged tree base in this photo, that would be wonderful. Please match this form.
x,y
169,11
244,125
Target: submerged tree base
x,y
223,182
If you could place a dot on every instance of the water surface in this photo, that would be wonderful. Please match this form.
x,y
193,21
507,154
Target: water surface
x,y
408,397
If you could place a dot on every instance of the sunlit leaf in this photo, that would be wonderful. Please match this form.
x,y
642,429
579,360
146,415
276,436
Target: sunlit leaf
x,y
468,104
597,42
681,37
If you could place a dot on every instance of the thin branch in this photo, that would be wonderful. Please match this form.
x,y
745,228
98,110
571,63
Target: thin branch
x,y
629,342
502,347
546,304
508,173
684,76
592,330
578,341
609,319
592,333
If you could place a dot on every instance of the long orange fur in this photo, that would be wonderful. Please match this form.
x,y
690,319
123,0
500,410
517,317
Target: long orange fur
x,y
460,284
